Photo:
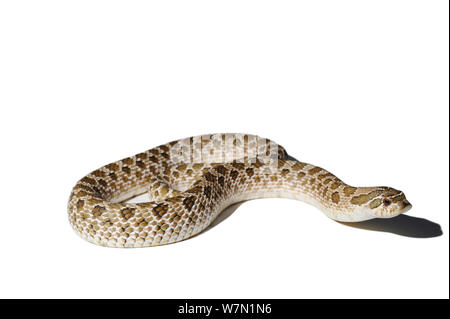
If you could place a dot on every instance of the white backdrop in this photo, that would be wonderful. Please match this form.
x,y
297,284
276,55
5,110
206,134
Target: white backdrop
x,y
357,87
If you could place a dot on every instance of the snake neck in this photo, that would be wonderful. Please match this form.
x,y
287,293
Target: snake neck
x,y
316,186
298,181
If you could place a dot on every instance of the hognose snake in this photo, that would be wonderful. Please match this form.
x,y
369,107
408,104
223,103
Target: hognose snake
x,y
191,181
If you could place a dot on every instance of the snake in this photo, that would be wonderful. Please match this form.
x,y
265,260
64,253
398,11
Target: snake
x,y
190,181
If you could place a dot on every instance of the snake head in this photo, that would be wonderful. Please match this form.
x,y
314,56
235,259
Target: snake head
x,y
381,202
389,203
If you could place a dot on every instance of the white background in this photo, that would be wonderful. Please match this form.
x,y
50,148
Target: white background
x,y
357,87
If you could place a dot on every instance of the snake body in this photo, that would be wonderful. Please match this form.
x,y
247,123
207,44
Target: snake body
x,y
191,181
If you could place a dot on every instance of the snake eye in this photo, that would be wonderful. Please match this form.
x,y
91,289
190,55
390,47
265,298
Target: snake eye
x,y
387,202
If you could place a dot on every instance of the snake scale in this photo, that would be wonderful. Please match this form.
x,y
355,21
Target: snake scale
x,y
190,181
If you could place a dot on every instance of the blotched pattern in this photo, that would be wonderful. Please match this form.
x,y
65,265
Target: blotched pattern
x,y
187,195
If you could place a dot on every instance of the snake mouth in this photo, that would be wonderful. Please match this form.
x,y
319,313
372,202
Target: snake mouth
x,y
402,207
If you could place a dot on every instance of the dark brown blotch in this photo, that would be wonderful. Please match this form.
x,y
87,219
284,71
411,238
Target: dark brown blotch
x,y
195,190
284,172
210,177
189,202
80,204
112,167
349,190
258,164
102,182
234,174
140,164
99,173
239,166
221,181
142,156
165,155
89,180
98,210
207,191
154,151
298,166
164,148
250,171
322,176
335,184
335,197
175,199
153,159
221,169
314,170
160,209
128,161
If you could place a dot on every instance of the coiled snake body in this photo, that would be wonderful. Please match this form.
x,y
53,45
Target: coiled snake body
x,y
191,181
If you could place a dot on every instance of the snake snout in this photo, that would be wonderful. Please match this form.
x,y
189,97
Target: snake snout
x,y
405,205
392,206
